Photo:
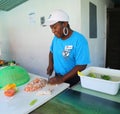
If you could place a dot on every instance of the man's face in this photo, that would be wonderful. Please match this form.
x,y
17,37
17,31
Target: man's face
x,y
57,29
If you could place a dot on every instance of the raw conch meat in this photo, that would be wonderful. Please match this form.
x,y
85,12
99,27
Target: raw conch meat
x,y
36,84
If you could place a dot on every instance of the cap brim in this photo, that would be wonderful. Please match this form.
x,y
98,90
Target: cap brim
x,y
50,22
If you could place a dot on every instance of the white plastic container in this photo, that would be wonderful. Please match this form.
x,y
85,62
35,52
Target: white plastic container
x,y
106,86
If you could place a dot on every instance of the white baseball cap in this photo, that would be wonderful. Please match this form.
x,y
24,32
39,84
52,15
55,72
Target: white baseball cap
x,y
56,16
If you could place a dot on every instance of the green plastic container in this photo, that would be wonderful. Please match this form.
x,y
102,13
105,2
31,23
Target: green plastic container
x,y
13,74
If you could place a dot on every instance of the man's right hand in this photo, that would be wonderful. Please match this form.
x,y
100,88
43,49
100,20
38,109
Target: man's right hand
x,y
50,70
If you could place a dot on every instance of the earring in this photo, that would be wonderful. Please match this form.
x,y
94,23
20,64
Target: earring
x,y
65,31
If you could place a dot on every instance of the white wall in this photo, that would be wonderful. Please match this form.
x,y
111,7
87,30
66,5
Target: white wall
x,y
4,42
28,42
1,32
97,45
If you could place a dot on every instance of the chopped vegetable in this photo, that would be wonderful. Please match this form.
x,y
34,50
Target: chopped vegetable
x,y
33,102
9,86
9,92
105,77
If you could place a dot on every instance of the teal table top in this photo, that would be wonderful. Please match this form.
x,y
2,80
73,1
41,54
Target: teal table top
x,y
115,98
73,101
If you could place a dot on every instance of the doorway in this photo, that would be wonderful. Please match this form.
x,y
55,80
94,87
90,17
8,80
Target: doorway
x,y
113,38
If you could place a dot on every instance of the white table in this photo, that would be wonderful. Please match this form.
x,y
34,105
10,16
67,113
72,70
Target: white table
x,y
20,102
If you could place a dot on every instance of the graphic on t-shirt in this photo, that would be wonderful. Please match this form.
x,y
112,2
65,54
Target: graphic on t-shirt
x,y
66,51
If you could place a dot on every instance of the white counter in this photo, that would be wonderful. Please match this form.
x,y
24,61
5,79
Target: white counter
x,y
20,102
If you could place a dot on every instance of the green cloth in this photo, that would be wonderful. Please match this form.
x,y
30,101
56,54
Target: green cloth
x,y
115,98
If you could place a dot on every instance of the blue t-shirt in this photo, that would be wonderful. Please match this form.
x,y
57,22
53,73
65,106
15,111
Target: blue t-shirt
x,y
69,53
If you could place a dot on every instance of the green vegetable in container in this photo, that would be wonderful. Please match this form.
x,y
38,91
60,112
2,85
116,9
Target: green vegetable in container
x,y
92,75
105,77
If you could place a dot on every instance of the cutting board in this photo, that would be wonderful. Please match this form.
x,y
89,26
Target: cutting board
x,y
20,102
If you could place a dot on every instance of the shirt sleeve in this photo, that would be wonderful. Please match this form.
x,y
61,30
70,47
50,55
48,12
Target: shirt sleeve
x,y
82,55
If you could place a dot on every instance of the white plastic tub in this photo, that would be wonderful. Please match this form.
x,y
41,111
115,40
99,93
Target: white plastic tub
x,y
106,86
